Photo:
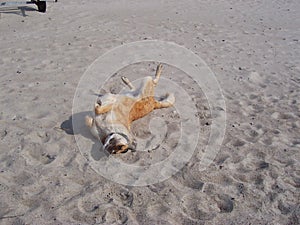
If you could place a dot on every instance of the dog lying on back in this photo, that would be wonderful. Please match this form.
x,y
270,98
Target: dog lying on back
x,y
114,113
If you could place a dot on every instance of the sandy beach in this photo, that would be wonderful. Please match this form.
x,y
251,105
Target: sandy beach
x,y
252,48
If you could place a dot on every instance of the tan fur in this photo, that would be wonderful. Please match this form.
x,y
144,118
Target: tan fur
x,y
89,121
102,109
141,108
121,110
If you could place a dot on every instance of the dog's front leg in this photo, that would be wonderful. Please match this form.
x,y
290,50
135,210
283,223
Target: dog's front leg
x,y
91,124
128,83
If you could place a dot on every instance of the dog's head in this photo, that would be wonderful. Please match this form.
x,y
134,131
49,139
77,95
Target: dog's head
x,y
117,143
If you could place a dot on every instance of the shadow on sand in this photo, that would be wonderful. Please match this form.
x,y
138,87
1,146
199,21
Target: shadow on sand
x,y
20,10
75,125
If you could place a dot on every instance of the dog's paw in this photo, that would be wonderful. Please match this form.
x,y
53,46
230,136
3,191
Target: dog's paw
x,y
99,102
97,108
125,80
159,67
170,98
89,121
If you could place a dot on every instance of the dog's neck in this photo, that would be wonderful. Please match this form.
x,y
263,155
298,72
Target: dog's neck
x,y
118,128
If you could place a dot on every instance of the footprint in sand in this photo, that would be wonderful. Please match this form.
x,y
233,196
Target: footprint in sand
x,y
257,79
225,203
34,151
196,211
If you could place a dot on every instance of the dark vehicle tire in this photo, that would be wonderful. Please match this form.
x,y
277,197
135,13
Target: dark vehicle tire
x,y
41,6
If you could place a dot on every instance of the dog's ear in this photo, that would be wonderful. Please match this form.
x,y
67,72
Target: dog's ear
x,y
132,146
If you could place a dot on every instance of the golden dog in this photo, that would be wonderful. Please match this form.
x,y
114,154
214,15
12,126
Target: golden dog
x,y
114,113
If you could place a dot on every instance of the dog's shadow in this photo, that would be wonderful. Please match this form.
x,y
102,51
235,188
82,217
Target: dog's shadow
x,y
75,125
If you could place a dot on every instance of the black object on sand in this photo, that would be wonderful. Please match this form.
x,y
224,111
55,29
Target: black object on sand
x,y
41,5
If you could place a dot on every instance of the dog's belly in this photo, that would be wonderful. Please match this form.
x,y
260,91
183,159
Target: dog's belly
x,y
141,108
129,109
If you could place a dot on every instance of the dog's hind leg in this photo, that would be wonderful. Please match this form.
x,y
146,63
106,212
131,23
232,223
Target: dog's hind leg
x,y
157,74
128,83
166,102
102,109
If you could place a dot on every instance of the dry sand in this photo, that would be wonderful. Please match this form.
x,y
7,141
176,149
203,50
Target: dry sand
x,y
251,46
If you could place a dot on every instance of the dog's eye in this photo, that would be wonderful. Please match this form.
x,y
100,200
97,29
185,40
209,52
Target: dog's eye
x,y
119,147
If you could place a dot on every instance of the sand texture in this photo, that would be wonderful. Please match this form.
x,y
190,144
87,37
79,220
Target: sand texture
x,y
253,48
